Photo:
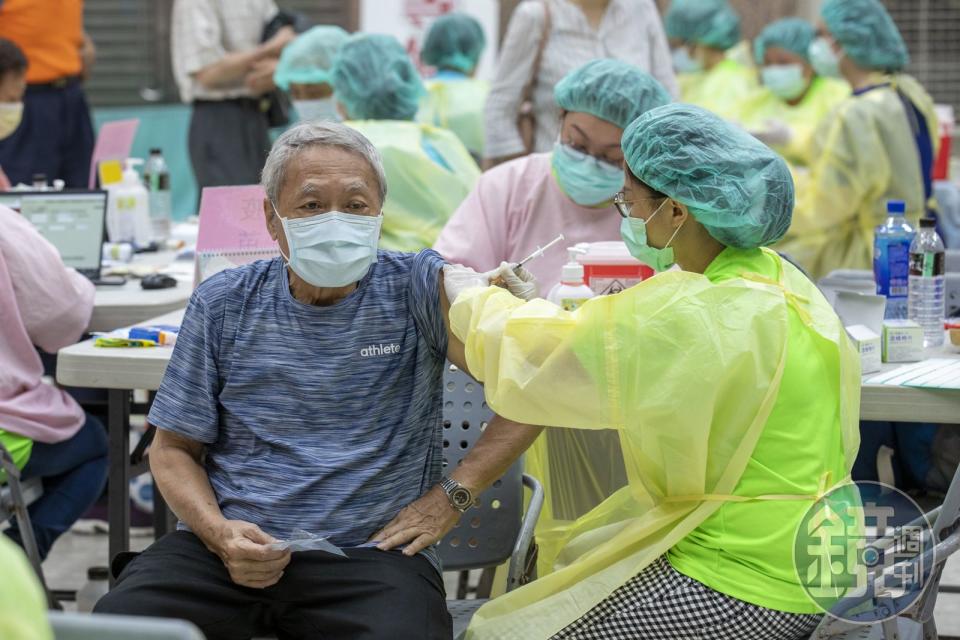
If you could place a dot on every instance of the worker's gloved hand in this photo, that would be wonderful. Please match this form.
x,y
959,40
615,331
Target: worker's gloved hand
x,y
775,132
458,278
523,285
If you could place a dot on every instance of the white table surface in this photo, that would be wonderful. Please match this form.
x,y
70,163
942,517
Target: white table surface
x,y
130,304
907,404
84,365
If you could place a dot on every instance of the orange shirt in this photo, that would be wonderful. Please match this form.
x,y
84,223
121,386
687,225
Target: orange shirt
x,y
50,32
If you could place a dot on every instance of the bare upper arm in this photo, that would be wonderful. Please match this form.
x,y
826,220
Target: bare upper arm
x,y
455,350
168,440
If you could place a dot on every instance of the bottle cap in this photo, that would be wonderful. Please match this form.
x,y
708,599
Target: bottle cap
x,y
896,206
928,223
572,273
98,573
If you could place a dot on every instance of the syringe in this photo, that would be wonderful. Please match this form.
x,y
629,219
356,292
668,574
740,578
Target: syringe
x,y
539,252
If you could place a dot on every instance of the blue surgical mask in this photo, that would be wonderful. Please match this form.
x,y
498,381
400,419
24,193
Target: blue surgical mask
x,y
586,180
331,249
823,59
324,109
634,234
785,81
683,62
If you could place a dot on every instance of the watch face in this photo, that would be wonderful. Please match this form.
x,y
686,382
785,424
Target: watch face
x,y
461,498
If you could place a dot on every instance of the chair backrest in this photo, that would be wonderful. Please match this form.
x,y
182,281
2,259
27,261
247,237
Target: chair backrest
x,y
486,534
77,626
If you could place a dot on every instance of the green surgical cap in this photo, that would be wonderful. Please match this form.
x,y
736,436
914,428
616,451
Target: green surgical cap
x,y
374,79
611,90
733,184
712,23
454,41
867,33
792,34
308,59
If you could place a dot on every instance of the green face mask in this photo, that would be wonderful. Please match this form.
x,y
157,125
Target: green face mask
x,y
634,234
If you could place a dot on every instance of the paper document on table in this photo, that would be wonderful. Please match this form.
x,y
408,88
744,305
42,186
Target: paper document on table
x,y
114,142
935,373
233,230
302,540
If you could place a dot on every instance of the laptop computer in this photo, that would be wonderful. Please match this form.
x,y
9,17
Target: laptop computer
x,y
72,221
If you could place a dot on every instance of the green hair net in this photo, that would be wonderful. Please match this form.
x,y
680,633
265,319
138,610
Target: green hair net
x,y
867,33
712,23
454,41
374,79
733,184
793,34
308,59
611,90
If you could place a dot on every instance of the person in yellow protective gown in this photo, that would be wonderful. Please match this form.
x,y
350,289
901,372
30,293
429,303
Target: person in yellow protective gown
x,y
877,146
732,385
429,171
455,98
793,100
23,607
712,79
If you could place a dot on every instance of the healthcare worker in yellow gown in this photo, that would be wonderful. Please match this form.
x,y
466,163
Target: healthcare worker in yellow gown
x,y
455,98
710,78
429,171
877,146
793,100
731,382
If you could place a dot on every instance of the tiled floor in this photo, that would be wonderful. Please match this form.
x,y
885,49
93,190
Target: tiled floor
x,y
73,553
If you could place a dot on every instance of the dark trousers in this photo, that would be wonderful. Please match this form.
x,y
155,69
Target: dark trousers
x,y
370,595
74,473
229,142
55,137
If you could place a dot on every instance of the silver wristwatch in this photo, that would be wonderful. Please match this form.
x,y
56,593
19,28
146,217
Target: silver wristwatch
x,y
459,496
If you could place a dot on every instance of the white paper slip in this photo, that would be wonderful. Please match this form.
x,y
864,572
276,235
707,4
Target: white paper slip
x,y
935,373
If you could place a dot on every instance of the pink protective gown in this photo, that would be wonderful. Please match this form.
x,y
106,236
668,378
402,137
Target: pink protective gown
x,y
42,303
516,207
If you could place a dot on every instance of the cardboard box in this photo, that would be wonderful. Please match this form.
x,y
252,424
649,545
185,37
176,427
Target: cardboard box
x,y
902,341
868,344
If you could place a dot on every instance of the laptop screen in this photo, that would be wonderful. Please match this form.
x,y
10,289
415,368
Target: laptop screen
x,y
72,222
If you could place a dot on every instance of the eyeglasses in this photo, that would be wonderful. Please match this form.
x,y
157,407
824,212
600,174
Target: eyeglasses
x,y
624,206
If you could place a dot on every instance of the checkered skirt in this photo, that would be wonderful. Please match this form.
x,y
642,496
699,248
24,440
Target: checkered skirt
x,y
661,603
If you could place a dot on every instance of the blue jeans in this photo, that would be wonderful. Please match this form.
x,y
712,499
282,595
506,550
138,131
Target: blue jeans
x,y
911,443
74,473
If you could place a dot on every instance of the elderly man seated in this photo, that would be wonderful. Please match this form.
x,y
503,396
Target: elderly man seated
x,y
305,393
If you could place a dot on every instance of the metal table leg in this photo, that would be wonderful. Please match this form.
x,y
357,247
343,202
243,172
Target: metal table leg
x,y
118,496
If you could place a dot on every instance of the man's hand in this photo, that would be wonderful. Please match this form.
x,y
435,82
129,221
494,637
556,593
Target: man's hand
x,y
420,524
260,78
88,56
274,46
244,549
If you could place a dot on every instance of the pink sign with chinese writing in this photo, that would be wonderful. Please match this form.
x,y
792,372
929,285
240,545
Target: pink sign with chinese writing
x,y
113,143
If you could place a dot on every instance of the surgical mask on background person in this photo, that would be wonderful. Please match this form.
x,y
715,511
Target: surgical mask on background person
x,y
683,63
823,59
11,114
323,109
332,249
785,81
583,178
634,234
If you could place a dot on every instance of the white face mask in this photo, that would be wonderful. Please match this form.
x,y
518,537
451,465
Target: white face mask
x,y
11,114
323,109
332,249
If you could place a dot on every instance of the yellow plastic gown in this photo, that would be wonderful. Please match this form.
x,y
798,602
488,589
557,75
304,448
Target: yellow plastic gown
x,y
721,90
457,105
865,154
823,96
421,194
686,370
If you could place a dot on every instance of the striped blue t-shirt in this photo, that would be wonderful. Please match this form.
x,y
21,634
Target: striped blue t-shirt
x,y
326,419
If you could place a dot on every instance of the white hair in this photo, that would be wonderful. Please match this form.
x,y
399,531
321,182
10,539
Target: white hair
x,y
321,134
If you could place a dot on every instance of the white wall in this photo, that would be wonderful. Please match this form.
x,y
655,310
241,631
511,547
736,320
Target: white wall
x,y
408,20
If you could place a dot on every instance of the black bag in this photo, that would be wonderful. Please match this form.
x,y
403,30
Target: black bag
x,y
276,104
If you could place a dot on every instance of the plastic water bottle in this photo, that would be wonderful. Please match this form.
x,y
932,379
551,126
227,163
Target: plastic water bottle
x,y
96,587
927,269
156,178
891,259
